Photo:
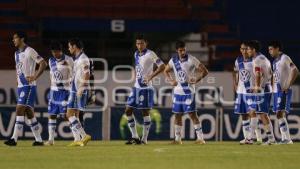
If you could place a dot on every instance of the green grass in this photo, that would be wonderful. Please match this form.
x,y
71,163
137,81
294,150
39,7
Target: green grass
x,y
155,155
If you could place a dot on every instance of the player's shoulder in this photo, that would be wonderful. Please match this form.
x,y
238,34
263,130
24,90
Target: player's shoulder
x,y
192,58
285,57
29,49
68,58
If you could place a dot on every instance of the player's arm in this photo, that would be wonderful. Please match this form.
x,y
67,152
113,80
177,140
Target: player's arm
x,y
160,68
167,73
42,66
235,75
294,74
258,77
201,72
85,79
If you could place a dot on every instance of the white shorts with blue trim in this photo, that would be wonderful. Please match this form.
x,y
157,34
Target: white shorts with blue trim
x,y
282,101
75,102
184,103
27,96
244,103
58,101
263,101
141,98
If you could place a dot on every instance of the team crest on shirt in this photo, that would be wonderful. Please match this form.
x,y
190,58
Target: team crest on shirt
x,y
182,76
139,71
245,75
276,76
22,94
19,68
58,75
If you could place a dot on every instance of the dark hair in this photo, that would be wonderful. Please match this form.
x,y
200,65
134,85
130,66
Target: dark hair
x,y
275,44
179,44
243,42
141,37
77,42
21,34
56,45
254,44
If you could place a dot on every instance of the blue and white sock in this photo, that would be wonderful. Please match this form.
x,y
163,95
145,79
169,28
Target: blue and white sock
x,y
199,133
76,128
51,129
132,126
246,129
18,130
284,129
146,128
177,132
35,128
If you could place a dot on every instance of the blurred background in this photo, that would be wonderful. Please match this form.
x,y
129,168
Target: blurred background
x,y
212,30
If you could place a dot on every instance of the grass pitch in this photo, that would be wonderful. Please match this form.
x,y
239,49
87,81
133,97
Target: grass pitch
x,y
155,155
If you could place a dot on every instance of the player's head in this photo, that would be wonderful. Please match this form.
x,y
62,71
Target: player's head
x,y
253,47
243,49
75,45
275,48
19,38
140,42
56,49
180,48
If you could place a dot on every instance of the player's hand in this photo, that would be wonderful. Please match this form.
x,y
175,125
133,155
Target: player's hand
x,y
173,83
192,80
80,91
30,79
285,90
146,80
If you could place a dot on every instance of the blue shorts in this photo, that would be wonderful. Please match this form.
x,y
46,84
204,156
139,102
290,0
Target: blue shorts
x,y
26,96
282,101
244,103
58,101
263,102
78,103
184,103
140,98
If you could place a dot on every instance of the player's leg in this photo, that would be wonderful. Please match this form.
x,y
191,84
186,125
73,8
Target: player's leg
x,y
34,125
51,129
197,127
178,128
283,107
19,124
132,102
132,127
146,125
268,127
246,128
284,128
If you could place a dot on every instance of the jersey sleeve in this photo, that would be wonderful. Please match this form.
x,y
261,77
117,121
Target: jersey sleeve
x,y
34,55
257,64
196,62
85,64
236,66
156,60
288,61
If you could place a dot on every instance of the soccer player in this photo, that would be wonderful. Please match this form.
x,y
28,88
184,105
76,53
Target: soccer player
x,y
78,94
61,69
285,73
245,102
91,93
263,87
141,96
188,71
26,59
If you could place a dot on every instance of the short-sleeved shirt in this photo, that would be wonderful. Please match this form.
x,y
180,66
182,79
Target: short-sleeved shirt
x,y
25,65
183,70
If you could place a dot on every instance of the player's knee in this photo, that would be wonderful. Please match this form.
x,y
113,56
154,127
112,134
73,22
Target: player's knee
x,y
20,110
128,111
146,113
279,115
52,117
245,117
